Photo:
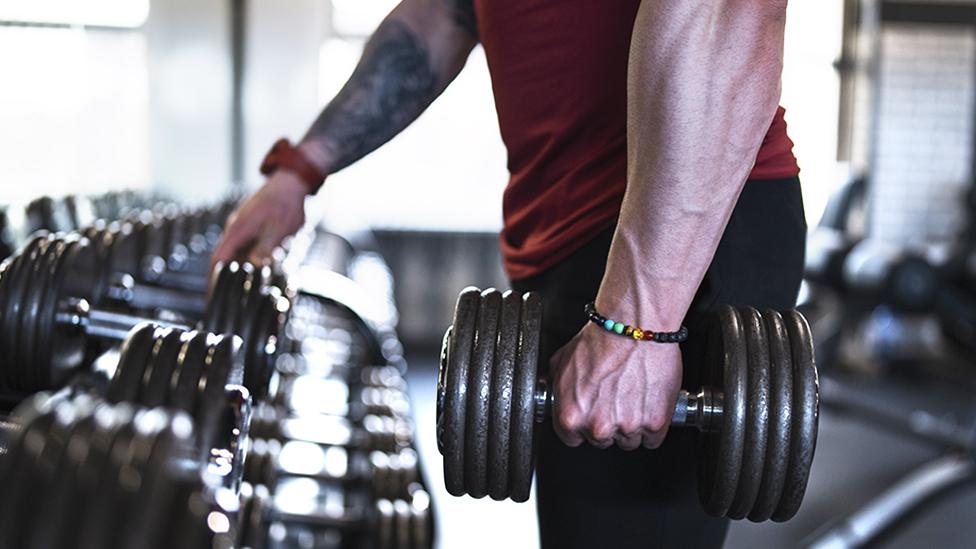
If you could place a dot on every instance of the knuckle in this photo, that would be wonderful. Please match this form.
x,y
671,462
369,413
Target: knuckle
x,y
630,426
602,430
570,418
657,422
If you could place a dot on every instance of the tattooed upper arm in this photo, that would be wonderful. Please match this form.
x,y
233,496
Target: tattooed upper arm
x,y
462,12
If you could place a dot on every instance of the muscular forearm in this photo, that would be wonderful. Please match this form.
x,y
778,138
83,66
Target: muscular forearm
x,y
704,84
413,55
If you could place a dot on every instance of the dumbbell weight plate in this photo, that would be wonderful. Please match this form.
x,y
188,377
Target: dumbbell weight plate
x,y
17,486
725,366
255,299
124,249
90,467
479,388
385,524
186,374
58,509
265,331
159,370
77,274
11,333
32,297
48,376
235,298
50,485
806,414
100,519
255,531
109,503
252,292
404,523
217,298
40,437
502,383
43,454
757,414
450,424
25,331
133,473
521,447
7,269
780,420
221,353
147,526
135,353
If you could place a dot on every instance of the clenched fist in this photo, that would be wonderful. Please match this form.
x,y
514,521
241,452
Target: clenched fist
x,y
614,390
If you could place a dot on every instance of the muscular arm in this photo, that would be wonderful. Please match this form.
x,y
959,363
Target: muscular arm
x,y
704,83
410,59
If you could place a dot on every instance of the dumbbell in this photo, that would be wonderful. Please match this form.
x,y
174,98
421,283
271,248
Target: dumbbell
x,y
382,433
47,318
758,408
6,238
291,517
83,473
197,372
332,395
169,250
383,474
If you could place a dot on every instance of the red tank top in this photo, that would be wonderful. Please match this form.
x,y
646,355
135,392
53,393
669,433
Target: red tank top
x,y
559,75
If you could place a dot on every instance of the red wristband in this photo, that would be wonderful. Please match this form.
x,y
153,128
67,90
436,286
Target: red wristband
x,y
284,155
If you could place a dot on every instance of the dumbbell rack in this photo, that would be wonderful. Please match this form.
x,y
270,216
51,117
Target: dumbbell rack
x,y
325,454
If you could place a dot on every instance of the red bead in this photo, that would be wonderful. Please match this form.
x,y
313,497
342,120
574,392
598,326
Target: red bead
x,y
648,335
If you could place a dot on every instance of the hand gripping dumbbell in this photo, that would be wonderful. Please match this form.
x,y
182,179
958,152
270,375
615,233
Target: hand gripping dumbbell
x,y
133,276
47,318
757,411
245,300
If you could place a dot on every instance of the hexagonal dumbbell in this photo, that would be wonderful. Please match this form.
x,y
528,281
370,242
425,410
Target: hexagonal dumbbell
x,y
758,409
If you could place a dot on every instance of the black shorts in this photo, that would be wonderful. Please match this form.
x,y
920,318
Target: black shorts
x,y
589,497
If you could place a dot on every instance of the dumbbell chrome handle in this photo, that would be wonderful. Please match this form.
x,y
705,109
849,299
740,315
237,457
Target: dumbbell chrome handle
x,y
125,290
104,324
702,411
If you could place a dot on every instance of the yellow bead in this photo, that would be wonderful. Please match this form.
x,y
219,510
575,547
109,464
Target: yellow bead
x,y
638,334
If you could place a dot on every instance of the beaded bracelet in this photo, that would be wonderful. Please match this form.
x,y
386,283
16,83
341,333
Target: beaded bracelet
x,y
633,332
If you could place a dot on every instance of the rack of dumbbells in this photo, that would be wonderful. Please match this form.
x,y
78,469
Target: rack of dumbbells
x,y
150,404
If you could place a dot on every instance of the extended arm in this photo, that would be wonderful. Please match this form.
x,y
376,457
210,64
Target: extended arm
x,y
412,56
704,85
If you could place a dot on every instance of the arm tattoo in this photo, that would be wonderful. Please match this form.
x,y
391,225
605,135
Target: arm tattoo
x,y
462,12
392,85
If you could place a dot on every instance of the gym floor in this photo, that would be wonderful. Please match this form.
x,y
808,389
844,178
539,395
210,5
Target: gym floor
x,y
854,462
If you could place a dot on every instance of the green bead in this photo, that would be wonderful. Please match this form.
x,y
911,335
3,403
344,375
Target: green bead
x,y
619,327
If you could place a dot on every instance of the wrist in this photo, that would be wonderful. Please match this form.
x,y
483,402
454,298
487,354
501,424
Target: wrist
x,y
285,181
316,153
621,327
643,299
285,157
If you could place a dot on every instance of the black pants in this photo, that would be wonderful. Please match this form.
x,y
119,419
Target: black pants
x,y
593,498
